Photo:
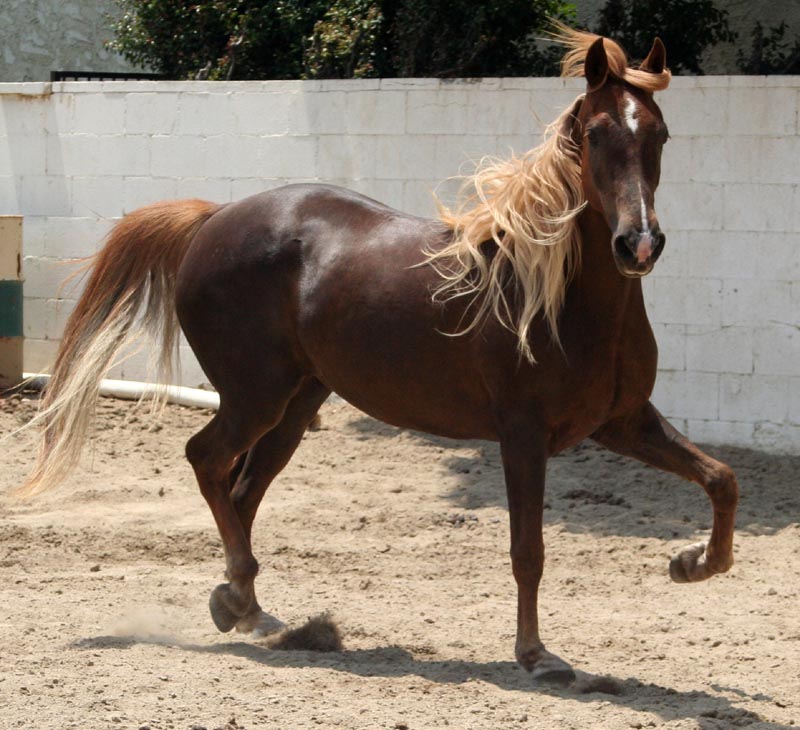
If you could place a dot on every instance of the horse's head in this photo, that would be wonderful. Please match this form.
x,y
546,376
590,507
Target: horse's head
x,y
621,132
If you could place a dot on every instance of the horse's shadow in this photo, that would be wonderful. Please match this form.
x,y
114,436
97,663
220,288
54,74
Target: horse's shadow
x,y
709,710
590,489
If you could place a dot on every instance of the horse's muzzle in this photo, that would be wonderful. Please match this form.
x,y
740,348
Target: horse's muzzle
x,y
636,252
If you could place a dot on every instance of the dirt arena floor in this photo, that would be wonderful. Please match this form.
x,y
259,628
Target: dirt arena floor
x,y
403,538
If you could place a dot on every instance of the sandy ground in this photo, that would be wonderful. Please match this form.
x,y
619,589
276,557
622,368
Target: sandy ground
x,y
403,537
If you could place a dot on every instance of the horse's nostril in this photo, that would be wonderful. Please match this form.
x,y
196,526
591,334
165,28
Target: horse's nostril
x,y
621,247
661,239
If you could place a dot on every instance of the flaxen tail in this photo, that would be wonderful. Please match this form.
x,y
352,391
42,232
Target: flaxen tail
x,y
130,291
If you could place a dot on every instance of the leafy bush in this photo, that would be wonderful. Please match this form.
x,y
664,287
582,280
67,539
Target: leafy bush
x,y
281,39
770,52
687,28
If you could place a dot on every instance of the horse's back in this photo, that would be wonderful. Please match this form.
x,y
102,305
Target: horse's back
x,y
333,283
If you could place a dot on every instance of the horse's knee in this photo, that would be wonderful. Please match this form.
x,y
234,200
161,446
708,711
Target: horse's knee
x,y
722,487
527,566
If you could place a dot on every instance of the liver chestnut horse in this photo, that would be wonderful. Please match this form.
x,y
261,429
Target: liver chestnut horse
x,y
517,318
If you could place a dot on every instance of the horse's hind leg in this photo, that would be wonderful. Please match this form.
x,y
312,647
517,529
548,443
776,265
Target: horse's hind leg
x,y
265,460
213,452
646,435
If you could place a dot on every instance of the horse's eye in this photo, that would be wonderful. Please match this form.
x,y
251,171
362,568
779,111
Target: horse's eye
x,y
593,135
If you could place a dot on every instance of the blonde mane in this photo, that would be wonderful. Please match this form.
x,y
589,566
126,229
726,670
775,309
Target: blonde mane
x,y
528,206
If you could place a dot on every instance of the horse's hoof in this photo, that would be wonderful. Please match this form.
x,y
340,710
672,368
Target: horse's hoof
x,y
260,624
689,565
222,612
547,668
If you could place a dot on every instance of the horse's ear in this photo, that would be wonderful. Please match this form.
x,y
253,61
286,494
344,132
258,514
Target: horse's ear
x,y
656,60
570,126
595,67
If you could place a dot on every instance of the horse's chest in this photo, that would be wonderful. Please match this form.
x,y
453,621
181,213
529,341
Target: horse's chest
x,y
606,378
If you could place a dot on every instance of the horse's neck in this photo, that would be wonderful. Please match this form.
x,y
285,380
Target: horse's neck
x,y
598,281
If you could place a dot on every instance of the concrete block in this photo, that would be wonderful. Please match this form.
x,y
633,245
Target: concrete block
x,y
73,237
139,191
20,115
98,114
674,261
756,302
39,354
794,400
151,113
389,192
288,157
34,318
680,394
501,112
728,433
548,104
777,350
751,207
760,111
460,155
101,196
44,277
217,190
774,160
59,114
754,398
351,158
11,194
409,84
438,112
205,114
775,256
23,154
260,114
318,113
671,339
44,195
777,438
418,197
178,156
33,236
686,301
408,157
692,110
86,155
376,112
57,312
719,349
690,206
677,162
245,187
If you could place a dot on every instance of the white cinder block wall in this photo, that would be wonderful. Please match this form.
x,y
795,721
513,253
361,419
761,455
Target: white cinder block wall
x,y
724,299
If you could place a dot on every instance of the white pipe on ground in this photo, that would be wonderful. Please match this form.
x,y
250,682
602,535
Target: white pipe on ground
x,y
133,390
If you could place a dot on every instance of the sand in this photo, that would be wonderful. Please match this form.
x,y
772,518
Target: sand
x,y
403,538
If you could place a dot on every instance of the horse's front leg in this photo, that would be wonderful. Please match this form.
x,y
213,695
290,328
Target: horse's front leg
x,y
524,462
646,435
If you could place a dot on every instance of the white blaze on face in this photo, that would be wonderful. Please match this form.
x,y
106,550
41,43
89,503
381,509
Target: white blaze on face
x,y
630,108
644,210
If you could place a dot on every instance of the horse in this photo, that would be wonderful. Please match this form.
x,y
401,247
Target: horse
x,y
517,317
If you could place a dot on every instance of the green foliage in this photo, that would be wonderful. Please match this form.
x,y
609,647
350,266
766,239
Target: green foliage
x,y
281,39
687,28
217,38
344,43
770,52
452,38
